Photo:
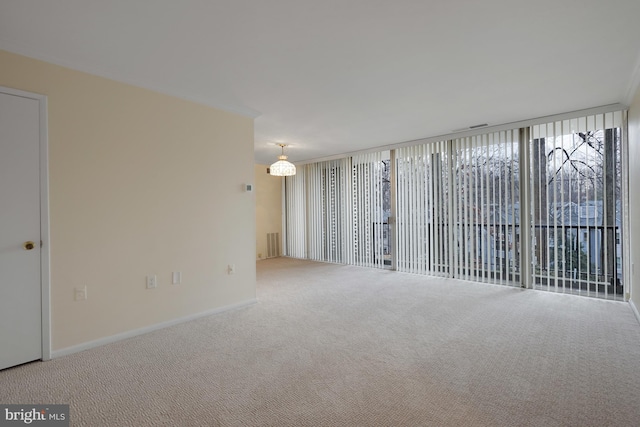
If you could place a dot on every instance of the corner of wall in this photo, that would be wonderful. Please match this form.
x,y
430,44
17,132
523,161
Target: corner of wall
x,y
268,209
634,200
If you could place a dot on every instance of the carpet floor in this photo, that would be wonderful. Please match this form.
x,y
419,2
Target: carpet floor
x,y
335,345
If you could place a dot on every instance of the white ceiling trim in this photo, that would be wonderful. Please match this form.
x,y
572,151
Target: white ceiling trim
x,y
31,53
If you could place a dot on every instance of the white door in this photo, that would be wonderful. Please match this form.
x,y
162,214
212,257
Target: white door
x,y
20,283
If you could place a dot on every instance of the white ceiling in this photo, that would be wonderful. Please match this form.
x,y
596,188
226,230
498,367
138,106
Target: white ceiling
x,y
336,76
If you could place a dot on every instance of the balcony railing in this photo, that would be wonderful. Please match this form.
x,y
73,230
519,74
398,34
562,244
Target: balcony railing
x,y
581,258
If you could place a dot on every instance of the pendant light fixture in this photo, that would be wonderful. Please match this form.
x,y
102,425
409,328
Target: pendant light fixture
x,y
282,167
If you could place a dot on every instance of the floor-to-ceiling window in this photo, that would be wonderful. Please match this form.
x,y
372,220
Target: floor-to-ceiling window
x,y
422,209
485,199
338,211
461,208
370,209
329,221
576,202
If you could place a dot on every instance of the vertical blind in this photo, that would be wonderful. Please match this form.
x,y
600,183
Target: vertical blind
x,y
371,194
337,211
422,213
458,207
486,201
294,218
329,222
576,205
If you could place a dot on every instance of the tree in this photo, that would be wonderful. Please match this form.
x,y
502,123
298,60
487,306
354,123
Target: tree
x,y
539,193
591,162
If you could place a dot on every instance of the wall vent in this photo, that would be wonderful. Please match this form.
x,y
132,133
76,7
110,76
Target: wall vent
x,y
273,245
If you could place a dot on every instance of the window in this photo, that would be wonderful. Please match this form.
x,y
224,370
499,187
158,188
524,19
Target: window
x,y
577,162
463,210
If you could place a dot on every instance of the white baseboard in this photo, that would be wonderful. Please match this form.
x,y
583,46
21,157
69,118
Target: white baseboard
x,y
635,310
135,332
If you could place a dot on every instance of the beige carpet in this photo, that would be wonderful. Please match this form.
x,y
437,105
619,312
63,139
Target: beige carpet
x,y
333,345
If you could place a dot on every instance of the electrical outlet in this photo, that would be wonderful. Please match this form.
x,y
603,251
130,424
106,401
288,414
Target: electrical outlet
x,y
176,277
80,294
152,282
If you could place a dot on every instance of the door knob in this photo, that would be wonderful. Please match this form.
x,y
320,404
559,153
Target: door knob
x,y
29,245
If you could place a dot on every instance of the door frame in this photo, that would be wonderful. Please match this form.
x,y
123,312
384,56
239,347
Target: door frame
x,y
45,253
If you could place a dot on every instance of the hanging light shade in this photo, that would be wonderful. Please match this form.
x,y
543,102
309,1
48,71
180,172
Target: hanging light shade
x,y
282,167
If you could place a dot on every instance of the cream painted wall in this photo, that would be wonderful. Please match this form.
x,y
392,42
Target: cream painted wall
x,y
268,208
634,197
140,184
